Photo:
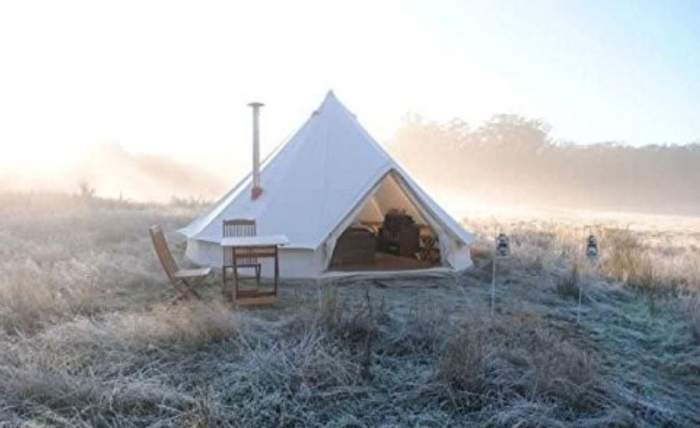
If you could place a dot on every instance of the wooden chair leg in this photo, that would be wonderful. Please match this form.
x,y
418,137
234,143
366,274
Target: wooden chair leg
x,y
234,293
226,288
177,298
190,289
224,267
181,289
237,284
223,279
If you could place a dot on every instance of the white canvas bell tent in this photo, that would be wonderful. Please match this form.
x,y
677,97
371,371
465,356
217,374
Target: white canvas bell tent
x,y
330,174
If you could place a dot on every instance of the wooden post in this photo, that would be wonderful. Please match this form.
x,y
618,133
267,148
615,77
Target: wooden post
x,y
223,272
592,252
580,294
493,285
502,250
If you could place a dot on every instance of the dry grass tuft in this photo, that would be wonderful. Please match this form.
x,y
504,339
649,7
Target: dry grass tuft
x,y
568,284
103,365
627,260
518,357
187,325
423,331
351,324
331,310
62,257
32,295
692,309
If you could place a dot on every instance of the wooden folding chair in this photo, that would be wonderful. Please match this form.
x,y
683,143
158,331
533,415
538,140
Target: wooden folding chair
x,y
184,280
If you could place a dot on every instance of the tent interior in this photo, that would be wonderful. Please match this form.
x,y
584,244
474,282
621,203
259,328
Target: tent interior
x,y
388,232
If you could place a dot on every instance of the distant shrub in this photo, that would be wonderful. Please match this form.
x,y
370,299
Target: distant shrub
x,y
86,191
187,202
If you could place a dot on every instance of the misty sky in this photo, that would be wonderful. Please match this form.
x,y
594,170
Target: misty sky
x,y
174,77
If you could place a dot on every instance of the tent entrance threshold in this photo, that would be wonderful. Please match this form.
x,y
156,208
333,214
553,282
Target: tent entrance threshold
x,y
387,262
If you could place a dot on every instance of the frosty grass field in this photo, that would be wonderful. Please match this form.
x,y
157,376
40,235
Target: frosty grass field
x,y
87,337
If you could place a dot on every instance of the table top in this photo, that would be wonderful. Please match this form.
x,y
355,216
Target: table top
x,y
255,241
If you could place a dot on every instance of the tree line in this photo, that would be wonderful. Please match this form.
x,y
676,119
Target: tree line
x,y
512,159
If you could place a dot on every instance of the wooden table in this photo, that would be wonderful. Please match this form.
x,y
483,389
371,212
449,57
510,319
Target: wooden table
x,y
260,246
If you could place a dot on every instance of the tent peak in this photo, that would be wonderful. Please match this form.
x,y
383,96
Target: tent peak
x,y
330,98
332,103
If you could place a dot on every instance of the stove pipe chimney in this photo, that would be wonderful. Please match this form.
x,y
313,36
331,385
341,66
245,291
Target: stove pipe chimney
x,y
256,190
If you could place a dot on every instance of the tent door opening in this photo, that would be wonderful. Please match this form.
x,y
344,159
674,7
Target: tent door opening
x,y
389,232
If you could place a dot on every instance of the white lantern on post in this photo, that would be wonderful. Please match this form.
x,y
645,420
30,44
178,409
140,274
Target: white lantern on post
x,y
502,251
592,250
502,245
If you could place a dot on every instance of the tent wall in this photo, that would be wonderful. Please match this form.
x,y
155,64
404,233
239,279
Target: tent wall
x,y
330,172
303,264
389,192
457,255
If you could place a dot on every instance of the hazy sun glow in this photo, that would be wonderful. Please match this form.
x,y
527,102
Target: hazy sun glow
x,y
173,78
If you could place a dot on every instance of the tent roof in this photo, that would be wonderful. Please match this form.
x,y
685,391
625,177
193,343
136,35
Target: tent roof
x,y
311,183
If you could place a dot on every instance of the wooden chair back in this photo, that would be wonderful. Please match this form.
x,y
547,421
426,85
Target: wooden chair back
x,y
238,228
163,251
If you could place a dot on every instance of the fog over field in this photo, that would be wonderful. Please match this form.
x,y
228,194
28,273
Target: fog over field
x,y
513,160
508,161
113,172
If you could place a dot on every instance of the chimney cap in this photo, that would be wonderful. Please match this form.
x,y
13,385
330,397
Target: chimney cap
x,y
255,104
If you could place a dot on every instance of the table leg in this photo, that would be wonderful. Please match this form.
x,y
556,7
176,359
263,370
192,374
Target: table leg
x,y
277,269
235,276
223,272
